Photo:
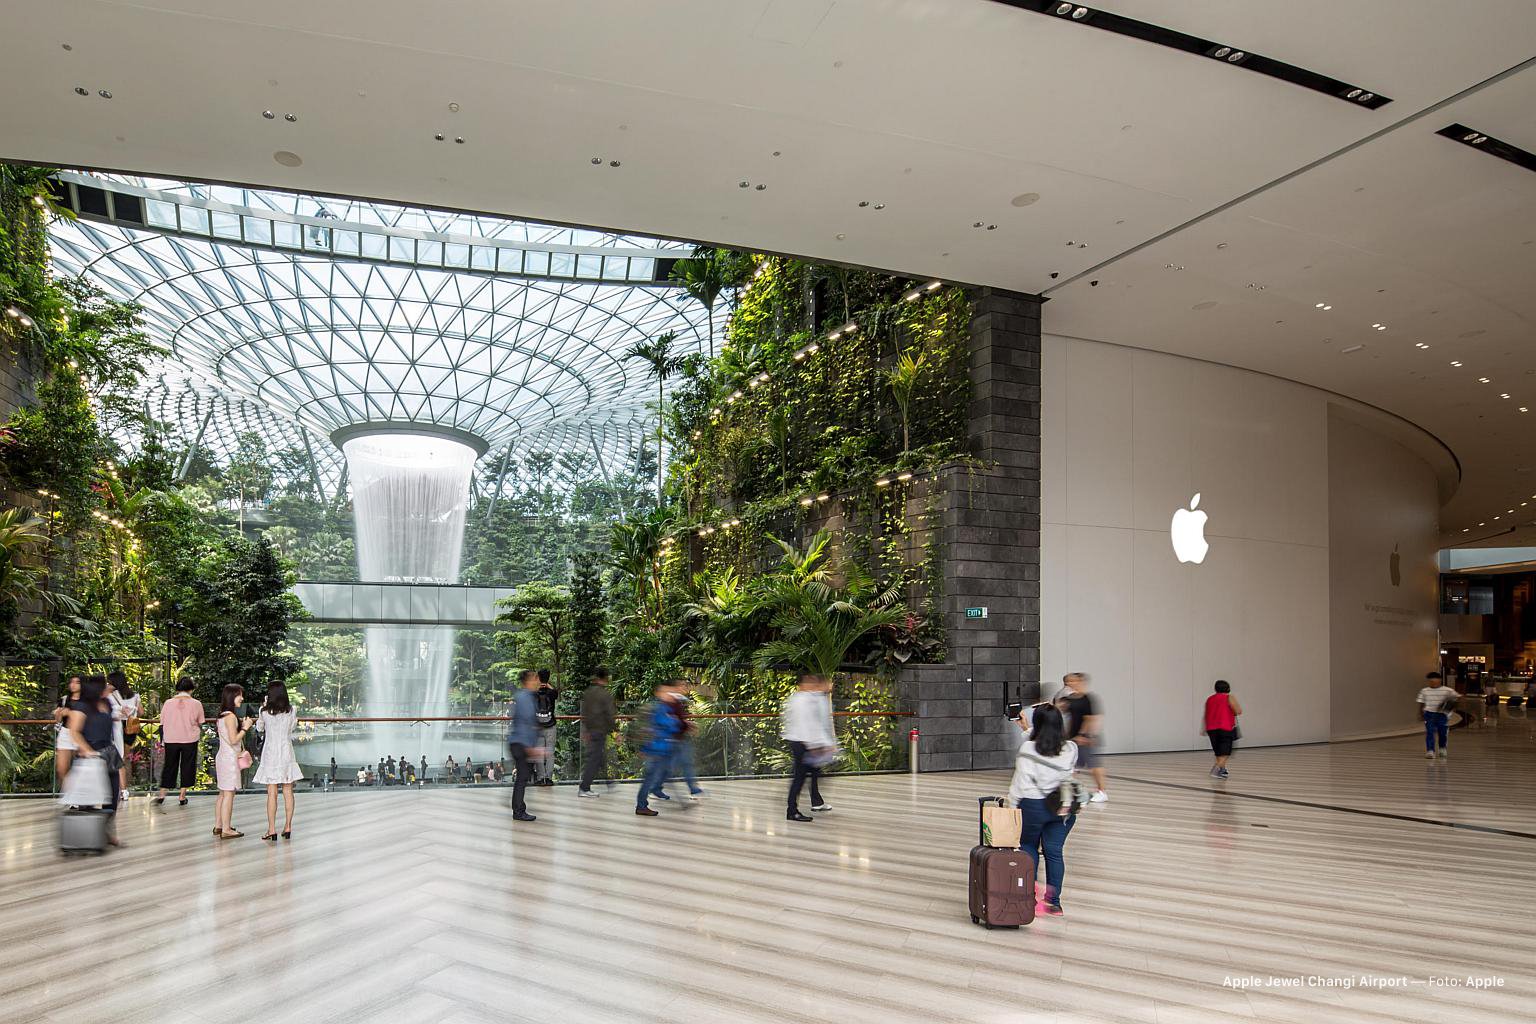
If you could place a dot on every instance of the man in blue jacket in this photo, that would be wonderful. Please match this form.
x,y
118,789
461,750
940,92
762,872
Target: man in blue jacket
x,y
664,727
523,738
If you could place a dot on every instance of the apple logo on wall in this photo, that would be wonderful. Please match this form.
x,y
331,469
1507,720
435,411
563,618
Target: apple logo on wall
x,y
1395,567
1188,532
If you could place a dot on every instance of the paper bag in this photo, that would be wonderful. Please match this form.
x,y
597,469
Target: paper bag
x,y
1001,826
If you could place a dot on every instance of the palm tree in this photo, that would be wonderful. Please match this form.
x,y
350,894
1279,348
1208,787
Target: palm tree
x,y
818,621
661,364
902,380
19,532
726,618
706,274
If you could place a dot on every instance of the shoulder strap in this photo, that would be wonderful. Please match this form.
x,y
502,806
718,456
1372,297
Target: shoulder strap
x,y
1048,764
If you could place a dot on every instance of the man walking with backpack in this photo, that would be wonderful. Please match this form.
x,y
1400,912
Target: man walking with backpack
x,y
547,696
598,716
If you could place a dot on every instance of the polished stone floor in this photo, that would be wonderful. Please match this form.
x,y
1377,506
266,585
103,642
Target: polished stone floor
x,y
1320,883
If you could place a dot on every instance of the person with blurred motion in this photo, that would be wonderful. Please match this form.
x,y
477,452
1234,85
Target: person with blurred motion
x,y
807,727
1436,702
231,759
279,769
332,773
1045,760
63,744
682,750
662,729
548,698
422,774
523,740
1080,711
125,721
1220,725
89,722
598,717
181,726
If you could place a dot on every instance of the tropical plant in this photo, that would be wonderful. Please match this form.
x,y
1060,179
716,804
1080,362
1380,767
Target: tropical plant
x,y
726,620
541,615
639,568
241,611
706,274
656,354
903,379
817,620
21,533
589,618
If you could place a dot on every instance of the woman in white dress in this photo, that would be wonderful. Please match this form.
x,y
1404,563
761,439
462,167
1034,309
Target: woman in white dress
x,y
125,709
278,767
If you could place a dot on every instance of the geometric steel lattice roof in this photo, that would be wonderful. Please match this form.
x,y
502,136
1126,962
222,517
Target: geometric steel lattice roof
x,y
321,314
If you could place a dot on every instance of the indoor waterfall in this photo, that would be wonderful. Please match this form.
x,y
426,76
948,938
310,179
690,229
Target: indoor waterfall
x,y
409,494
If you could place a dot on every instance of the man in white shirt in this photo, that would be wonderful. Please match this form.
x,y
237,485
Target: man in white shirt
x,y
1436,701
807,726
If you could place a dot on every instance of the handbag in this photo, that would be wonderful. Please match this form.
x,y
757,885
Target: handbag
x,y
1071,794
245,760
131,725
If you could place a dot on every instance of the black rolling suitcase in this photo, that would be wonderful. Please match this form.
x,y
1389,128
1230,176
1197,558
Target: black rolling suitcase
x,y
1002,885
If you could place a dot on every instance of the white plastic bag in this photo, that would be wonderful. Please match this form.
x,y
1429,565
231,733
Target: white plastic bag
x,y
86,785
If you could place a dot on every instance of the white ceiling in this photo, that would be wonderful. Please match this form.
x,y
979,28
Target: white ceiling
x,y
944,111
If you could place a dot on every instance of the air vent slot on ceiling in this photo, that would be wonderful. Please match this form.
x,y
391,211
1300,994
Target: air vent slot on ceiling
x,y
1225,53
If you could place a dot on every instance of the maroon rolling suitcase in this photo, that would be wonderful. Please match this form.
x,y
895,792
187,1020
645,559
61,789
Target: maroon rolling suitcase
x,y
1002,883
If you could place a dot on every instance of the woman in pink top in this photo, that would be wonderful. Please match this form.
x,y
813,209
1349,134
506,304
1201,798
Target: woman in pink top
x,y
181,725
1220,725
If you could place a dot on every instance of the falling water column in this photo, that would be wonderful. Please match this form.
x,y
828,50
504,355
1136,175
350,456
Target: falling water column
x,y
409,495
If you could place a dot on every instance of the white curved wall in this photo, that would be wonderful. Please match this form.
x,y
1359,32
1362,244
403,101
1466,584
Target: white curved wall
x,y
1306,500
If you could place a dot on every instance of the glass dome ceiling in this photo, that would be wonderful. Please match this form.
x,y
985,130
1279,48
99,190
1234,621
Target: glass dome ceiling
x,y
296,316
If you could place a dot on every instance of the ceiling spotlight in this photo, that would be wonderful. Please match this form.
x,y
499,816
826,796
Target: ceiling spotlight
x,y
991,227
1469,137
1063,9
290,118
1455,362
1503,396
823,496
81,90
911,295
863,203
1367,97
743,184
1482,380
883,482
1379,327
439,136
611,163
878,206
1080,13
1524,409
1236,56
807,502
1353,94
758,188
268,114
1420,344
460,140
104,94
1222,52
931,286
595,160
904,477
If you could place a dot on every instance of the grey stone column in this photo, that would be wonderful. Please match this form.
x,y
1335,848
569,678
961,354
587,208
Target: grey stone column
x,y
990,545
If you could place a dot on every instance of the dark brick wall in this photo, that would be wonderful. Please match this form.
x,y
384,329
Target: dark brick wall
x,y
990,544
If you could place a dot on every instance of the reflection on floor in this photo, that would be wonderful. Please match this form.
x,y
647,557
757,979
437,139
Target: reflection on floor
x,y
431,906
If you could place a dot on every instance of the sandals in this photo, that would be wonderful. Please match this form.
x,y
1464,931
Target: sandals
x,y
270,837
287,834
231,834
182,801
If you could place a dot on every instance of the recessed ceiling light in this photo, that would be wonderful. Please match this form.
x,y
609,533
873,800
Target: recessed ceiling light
x,y
290,118
1504,395
1025,199
1482,380
1482,524
269,115
758,188
743,184
81,90
1420,344
1379,327
1524,409
1455,362
287,159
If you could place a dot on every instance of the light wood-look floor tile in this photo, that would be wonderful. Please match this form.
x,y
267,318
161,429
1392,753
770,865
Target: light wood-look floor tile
x,y
432,907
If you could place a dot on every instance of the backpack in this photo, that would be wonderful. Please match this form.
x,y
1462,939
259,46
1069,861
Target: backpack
x,y
544,717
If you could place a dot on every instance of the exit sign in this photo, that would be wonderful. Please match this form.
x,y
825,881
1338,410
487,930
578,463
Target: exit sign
x,y
975,613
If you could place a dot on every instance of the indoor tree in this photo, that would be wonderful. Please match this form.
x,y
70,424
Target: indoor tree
x,y
657,355
706,274
588,617
540,613
903,379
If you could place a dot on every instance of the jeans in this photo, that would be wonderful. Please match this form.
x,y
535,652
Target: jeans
x,y
803,770
1437,724
1044,835
594,759
682,765
524,772
180,760
546,765
656,767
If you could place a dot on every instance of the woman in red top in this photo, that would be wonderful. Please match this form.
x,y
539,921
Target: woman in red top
x,y
1221,711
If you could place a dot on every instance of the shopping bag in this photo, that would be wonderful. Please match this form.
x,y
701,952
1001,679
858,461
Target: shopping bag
x,y
1001,825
